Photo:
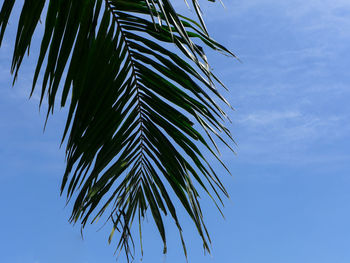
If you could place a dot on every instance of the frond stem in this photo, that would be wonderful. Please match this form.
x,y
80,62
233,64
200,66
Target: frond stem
x,y
135,78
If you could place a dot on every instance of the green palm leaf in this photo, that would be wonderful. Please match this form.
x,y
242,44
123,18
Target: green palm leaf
x,y
137,111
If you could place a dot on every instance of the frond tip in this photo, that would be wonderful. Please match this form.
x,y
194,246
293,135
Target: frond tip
x,y
140,115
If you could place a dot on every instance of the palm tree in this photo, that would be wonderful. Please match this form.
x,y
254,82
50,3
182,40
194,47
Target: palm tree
x,y
139,115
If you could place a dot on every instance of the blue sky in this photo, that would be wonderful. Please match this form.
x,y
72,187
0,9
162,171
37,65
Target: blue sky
x,y
290,185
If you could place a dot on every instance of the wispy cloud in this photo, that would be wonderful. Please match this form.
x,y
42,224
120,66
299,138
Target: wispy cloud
x,y
292,126
266,118
285,136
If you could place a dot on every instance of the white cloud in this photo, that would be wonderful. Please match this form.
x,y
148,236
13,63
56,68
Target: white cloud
x,y
292,126
267,117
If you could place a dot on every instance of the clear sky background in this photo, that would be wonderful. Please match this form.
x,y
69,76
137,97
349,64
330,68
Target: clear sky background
x,y
290,189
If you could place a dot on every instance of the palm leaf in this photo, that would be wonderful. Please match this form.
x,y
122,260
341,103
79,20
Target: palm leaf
x,y
137,111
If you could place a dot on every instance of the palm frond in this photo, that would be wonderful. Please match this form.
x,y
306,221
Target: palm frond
x,y
137,111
